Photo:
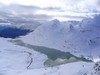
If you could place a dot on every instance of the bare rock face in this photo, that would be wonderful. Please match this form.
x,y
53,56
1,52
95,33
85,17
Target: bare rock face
x,y
97,68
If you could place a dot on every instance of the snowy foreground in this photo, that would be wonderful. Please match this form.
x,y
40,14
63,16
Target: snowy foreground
x,y
14,60
70,69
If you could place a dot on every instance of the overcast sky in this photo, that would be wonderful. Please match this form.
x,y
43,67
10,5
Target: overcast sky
x,y
64,8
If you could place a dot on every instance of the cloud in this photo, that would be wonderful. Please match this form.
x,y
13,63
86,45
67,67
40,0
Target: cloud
x,y
17,8
59,9
67,5
47,9
21,13
39,3
80,5
98,2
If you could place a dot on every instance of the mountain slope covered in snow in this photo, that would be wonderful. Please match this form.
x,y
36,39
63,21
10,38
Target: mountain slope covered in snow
x,y
83,39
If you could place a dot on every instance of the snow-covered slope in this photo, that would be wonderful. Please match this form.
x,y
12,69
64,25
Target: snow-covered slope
x,y
18,60
17,57
78,68
15,60
83,39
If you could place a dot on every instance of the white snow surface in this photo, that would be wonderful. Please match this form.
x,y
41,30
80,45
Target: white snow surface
x,y
14,60
17,57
